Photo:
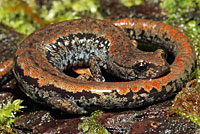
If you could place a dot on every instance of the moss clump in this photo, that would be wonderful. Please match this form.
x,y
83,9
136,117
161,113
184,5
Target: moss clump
x,y
187,102
130,3
90,125
69,9
13,13
27,16
176,8
8,109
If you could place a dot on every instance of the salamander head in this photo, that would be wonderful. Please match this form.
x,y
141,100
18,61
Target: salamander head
x,y
143,65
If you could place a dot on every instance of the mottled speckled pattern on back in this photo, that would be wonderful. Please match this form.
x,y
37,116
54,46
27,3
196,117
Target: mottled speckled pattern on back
x,y
76,49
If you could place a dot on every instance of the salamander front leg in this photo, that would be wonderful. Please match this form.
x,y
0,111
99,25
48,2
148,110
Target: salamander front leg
x,y
94,69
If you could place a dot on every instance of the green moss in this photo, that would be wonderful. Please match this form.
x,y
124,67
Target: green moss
x,y
186,103
179,7
193,117
130,3
8,110
12,14
198,74
27,16
90,125
67,10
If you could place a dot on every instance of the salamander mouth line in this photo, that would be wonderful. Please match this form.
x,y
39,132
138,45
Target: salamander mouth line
x,y
119,65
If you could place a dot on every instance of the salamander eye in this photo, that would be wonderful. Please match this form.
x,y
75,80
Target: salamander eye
x,y
140,67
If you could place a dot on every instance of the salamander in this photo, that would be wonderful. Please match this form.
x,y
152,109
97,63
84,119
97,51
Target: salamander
x,y
45,54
